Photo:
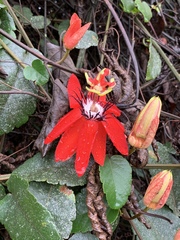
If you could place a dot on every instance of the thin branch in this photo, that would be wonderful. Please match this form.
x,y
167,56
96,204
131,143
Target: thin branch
x,y
16,20
23,92
116,17
37,54
158,48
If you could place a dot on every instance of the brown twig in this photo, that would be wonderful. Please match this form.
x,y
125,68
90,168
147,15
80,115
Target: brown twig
x,y
23,92
37,54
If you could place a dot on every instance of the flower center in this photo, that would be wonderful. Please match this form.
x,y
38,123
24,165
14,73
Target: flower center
x,y
92,109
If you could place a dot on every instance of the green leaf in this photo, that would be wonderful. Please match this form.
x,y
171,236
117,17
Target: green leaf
x,y
23,216
15,108
59,201
37,72
144,8
24,13
62,26
165,157
116,178
2,192
46,169
154,63
37,22
89,39
83,236
2,5
160,229
129,6
7,24
82,222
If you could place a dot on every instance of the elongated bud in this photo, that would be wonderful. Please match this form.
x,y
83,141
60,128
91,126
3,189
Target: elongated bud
x,y
158,190
75,32
177,235
146,124
100,85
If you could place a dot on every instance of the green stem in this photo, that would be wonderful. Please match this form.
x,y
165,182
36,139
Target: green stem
x,y
18,24
105,37
8,50
162,166
158,48
4,177
64,56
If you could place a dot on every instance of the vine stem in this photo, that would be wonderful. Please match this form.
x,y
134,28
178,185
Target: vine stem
x,y
8,50
158,48
105,37
18,24
116,17
162,166
37,54
64,56
23,92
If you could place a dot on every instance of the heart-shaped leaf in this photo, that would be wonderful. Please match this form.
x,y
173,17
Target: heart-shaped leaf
x,y
38,22
116,178
89,39
37,72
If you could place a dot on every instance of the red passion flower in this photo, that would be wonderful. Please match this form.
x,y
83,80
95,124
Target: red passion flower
x,y
75,32
84,129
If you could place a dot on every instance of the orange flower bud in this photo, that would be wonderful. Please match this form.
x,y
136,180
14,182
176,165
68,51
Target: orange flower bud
x,y
158,190
177,235
146,124
75,32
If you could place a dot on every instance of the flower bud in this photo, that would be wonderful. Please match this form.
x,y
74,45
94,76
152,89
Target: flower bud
x,y
146,124
75,32
177,235
158,190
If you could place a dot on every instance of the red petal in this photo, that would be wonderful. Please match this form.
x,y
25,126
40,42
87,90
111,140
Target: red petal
x,y
115,110
74,91
99,146
85,144
75,19
115,130
73,40
63,124
68,142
